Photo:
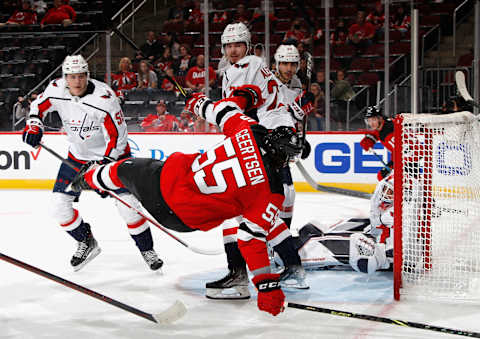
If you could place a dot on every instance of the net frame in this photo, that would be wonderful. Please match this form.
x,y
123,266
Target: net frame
x,y
436,274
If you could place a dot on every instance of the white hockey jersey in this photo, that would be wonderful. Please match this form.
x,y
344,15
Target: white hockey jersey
x,y
252,70
94,122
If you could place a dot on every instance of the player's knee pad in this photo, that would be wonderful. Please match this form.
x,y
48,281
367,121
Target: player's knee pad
x,y
229,229
362,253
287,206
62,210
135,222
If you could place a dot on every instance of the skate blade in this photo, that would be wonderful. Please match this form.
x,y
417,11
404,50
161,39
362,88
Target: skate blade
x,y
233,293
96,251
298,285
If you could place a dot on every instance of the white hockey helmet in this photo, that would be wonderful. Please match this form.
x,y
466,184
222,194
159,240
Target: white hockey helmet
x,y
286,53
237,32
387,190
75,64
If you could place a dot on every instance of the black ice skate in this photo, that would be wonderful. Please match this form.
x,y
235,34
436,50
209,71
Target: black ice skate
x,y
152,259
233,286
293,277
86,251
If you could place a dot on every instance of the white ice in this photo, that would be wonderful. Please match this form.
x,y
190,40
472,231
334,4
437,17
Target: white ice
x,y
34,307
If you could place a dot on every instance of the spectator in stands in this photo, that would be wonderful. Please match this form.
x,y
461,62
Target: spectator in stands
x,y
40,7
377,17
340,34
146,78
295,34
202,126
162,121
151,49
173,44
124,79
341,92
318,114
401,19
302,70
317,36
185,62
23,16
61,13
22,106
177,13
166,60
259,14
185,122
196,14
167,84
195,78
320,80
242,14
361,33
220,16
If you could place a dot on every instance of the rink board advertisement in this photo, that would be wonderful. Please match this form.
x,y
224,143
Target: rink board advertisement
x,y
336,158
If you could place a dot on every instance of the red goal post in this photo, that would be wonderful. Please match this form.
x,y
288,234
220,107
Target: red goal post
x,y
437,206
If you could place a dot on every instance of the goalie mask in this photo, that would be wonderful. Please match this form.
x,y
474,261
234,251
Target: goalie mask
x,y
287,53
75,64
283,145
237,32
386,196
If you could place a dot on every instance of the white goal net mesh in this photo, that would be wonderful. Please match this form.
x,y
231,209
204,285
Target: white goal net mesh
x,y
440,205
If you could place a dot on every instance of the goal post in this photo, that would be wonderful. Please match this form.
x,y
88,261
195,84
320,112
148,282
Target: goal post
x,y
437,206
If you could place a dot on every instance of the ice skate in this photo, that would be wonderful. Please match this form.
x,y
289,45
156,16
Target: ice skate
x,y
233,286
87,250
293,277
152,259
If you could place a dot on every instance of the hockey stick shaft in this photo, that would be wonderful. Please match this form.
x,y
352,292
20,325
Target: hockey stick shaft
x,y
174,82
384,320
151,220
77,287
322,188
379,157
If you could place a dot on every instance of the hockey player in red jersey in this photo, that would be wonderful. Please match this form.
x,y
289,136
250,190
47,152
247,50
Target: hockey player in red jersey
x,y
238,178
381,130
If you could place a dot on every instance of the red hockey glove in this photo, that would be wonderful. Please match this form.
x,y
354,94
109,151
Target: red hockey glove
x,y
196,104
270,296
33,132
368,141
252,93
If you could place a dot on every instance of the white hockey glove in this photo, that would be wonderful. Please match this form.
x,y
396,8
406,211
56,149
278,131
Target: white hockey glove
x,y
197,104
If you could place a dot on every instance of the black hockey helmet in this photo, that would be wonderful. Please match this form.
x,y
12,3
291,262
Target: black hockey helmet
x,y
373,111
282,144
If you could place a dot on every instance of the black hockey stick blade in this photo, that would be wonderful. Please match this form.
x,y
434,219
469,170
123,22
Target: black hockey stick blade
x,y
384,320
329,189
171,314
151,220
462,88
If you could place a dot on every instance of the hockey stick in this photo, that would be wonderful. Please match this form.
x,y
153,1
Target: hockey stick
x,y
174,82
169,315
329,189
384,320
462,89
151,220
378,157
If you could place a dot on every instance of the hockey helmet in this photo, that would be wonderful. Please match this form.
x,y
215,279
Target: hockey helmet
x,y
236,32
283,145
75,64
387,190
286,53
373,111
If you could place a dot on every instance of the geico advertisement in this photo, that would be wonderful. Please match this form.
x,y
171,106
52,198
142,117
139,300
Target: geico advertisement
x,y
336,158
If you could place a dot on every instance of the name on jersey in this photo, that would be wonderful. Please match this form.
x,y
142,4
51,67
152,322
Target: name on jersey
x,y
250,158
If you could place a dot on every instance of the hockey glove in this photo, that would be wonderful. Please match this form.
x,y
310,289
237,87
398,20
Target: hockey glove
x,y
83,180
197,104
33,132
368,141
252,93
384,172
306,150
270,296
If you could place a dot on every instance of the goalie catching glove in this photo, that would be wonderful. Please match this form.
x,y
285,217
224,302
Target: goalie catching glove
x,y
270,297
33,132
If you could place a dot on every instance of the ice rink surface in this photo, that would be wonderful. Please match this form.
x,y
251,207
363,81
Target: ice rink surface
x,y
34,307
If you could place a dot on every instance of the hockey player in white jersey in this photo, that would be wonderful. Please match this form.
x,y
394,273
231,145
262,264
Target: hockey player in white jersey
x,y
250,69
366,245
96,130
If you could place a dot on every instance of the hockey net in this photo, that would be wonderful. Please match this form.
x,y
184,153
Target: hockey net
x,y
437,206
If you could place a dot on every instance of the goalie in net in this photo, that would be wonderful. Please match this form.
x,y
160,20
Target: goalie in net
x,y
366,245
